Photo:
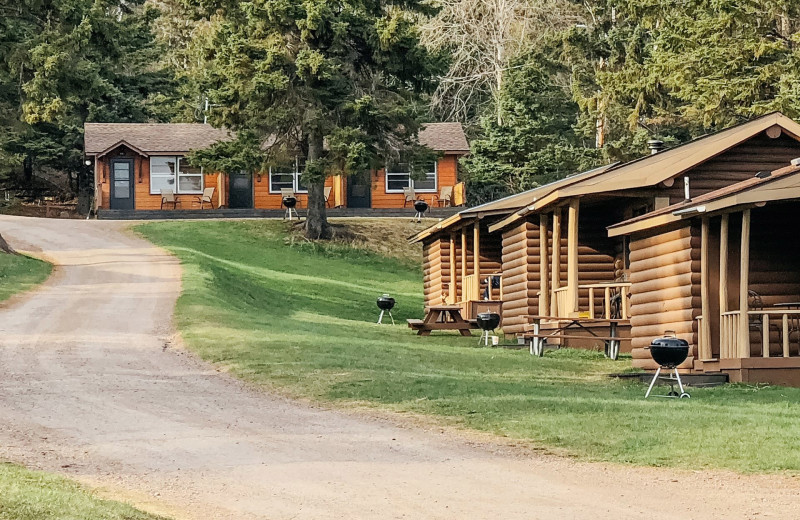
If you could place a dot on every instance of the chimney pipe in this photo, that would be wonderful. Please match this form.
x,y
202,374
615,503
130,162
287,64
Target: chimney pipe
x,y
655,145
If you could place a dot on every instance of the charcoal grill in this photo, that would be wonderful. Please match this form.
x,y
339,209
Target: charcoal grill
x,y
669,352
385,304
487,321
420,206
290,203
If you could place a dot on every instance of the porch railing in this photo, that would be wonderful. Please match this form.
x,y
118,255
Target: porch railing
x,y
785,323
610,290
729,335
470,290
560,297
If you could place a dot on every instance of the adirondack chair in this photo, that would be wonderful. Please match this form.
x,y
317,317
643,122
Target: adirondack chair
x,y
445,197
168,197
327,195
287,192
206,197
410,196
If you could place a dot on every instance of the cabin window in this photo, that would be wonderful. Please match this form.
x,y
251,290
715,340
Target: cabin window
x,y
399,178
287,176
174,173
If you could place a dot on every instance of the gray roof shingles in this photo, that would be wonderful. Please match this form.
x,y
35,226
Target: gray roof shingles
x,y
152,137
444,137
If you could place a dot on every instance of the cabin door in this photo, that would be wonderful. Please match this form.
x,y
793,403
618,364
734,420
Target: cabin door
x,y
240,190
122,184
359,193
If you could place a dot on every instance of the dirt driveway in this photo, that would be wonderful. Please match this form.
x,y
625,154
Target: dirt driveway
x,y
91,387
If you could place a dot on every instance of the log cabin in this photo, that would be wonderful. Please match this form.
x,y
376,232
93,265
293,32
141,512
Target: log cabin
x,y
727,278
555,259
144,158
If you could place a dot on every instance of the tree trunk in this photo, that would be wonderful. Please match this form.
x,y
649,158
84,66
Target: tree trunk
x,y
5,248
317,226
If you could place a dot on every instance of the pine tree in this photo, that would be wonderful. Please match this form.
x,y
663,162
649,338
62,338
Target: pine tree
x,y
338,82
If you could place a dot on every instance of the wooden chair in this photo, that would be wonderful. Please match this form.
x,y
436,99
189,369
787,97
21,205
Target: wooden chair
x,y
168,197
445,197
327,195
287,192
756,303
206,197
410,196
459,195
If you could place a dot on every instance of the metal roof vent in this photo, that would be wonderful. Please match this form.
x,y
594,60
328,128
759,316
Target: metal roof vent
x,y
764,174
655,145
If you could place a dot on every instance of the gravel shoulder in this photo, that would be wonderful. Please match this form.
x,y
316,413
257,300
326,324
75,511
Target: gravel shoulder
x,y
94,386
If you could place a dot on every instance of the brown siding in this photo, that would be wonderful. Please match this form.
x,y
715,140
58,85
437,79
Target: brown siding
x,y
665,291
448,176
596,253
263,199
435,269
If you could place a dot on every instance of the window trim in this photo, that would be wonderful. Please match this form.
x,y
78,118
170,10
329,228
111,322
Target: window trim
x,y
296,174
411,181
176,176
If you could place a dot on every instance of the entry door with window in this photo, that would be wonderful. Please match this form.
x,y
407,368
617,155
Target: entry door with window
x,y
240,192
122,184
359,190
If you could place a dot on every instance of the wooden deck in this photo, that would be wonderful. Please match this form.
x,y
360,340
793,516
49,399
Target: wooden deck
x,y
181,214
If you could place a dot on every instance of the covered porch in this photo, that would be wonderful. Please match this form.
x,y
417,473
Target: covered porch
x,y
749,326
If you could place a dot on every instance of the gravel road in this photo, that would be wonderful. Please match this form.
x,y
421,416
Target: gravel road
x,y
91,386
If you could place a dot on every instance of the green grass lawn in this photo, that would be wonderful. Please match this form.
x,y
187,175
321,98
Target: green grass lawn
x,y
300,317
32,495
19,273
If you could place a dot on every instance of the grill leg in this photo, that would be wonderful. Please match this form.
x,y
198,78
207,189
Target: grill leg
x,y
380,318
680,384
390,315
653,382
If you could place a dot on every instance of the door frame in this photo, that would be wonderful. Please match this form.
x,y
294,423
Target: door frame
x,y
368,176
132,162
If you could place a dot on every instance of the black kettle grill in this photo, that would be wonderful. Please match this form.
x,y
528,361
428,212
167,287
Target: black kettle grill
x,y
669,352
421,207
290,203
385,304
487,321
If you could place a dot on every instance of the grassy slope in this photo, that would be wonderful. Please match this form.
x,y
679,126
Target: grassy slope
x,y
29,495
301,318
20,273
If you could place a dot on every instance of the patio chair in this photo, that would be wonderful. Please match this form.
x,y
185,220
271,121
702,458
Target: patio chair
x,y
206,197
287,192
327,195
168,197
445,197
410,196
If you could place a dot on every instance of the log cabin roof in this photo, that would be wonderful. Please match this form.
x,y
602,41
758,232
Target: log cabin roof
x,y
653,169
503,206
444,137
780,184
151,138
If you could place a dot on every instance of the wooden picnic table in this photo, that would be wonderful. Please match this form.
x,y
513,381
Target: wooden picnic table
x,y
441,317
539,338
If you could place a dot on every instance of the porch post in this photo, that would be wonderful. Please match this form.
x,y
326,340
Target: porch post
x,y
572,258
723,264
452,294
544,290
744,282
555,272
477,255
464,267
705,299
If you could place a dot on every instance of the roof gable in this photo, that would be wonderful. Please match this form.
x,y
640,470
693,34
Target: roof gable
x,y
444,137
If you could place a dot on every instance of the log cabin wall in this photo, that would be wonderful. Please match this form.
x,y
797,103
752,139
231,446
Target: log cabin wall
x,y
491,250
737,164
520,264
435,269
665,290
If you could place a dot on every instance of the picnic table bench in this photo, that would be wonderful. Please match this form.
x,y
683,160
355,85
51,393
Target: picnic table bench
x,y
442,317
538,338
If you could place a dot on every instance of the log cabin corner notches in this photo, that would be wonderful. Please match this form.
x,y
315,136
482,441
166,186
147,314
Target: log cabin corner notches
x,y
133,162
690,240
